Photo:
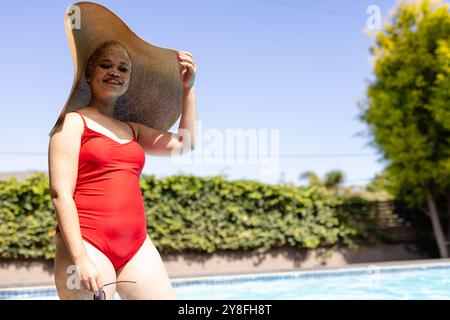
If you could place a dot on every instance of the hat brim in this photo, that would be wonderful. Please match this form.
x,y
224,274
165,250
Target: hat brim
x,y
155,93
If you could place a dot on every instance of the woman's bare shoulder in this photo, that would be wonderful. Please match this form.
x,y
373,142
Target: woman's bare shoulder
x,y
70,126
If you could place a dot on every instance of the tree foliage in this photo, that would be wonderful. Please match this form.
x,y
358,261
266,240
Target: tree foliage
x,y
408,109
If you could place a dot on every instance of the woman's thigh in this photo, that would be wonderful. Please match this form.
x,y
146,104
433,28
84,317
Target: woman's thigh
x,y
67,281
147,269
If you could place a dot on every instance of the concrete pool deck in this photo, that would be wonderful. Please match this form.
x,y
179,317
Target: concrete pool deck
x,y
25,273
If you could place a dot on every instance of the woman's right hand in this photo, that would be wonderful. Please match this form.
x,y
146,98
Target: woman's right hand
x,y
89,275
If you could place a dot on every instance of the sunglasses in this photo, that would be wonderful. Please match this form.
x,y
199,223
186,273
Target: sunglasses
x,y
102,294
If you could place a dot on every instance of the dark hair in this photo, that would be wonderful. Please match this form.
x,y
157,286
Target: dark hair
x,y
98,52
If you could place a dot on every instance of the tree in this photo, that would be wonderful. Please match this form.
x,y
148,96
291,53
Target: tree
x,y
312,178
407,107
332,180
380,182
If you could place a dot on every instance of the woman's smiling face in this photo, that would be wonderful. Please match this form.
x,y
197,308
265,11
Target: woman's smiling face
x,y
109,76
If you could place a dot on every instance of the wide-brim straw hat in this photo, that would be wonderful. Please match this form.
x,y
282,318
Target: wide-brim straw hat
x,y
155,93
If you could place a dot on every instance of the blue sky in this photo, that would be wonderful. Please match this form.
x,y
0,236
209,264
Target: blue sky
x,y
297,66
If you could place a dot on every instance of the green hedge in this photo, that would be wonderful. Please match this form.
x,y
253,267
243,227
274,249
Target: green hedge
x,y
188,213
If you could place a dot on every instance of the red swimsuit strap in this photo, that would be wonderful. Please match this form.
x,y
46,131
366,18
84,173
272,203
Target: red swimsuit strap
x,y
134,135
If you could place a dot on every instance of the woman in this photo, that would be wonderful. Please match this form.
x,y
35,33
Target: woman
x,y
94,165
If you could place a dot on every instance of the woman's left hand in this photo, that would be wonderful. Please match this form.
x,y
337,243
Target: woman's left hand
x,y
188,68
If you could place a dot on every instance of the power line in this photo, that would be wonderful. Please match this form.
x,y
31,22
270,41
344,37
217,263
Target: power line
x,y
25,153
357,8
302,6
360,2
333,8
287,155
329,155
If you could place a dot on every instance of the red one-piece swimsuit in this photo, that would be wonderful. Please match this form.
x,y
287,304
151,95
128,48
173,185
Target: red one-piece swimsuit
x,y
108,197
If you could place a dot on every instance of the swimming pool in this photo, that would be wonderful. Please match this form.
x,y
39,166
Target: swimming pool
x,y
374,282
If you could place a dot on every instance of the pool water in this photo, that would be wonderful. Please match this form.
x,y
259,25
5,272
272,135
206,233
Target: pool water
x,y
372,283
